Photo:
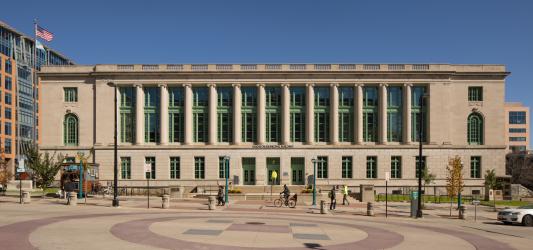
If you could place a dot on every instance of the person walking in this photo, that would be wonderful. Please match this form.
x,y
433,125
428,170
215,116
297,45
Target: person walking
x,y
345,196
333,200
220,196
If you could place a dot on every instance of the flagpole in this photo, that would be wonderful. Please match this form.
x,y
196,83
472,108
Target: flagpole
x,y
34,137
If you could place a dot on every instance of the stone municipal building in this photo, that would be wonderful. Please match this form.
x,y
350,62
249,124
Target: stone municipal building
x,y
358,121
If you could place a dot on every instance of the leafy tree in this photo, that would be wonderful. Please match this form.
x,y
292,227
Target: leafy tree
x,y
428,178
44,166
454,179
5,172
491,183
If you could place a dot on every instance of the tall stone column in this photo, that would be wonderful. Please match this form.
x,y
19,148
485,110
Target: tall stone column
x,y
261,114
212,114
383,113
407,113
163,108
286,114
139,115
310,114
334,114
188,114
237,123
358,114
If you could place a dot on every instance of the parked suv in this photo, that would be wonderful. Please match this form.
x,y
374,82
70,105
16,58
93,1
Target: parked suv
x,y
523,215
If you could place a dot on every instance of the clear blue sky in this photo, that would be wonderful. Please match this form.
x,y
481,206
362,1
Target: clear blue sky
x,y
290,31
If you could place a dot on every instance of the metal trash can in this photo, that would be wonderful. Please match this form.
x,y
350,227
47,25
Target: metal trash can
x,y
370,209
462,212
73,199
165,199
211,203
323,208
26,197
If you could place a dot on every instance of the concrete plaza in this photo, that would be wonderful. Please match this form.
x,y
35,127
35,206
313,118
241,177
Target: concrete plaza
x,y
49,224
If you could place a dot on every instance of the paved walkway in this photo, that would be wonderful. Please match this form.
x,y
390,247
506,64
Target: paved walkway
x,y
49,224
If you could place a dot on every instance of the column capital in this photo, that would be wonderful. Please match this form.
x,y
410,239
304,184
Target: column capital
x,y
383,84
164,85
236,85
137,85
309,84
334,85
359,85
408,85
187,85
211,85
285,85
260,85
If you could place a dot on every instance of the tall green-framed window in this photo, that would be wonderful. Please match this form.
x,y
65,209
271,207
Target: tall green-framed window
x,y
322,167
71,94
396,167
70,130
371,167
199,168
475,94
200,98
297,114
175,170
127,114
222,167
176,120
475,129
394,113
151,114
346,112
475,167
416,111
125,168
224,114
347,167
151,161
322,101
273,114
249,114
370,114
424,165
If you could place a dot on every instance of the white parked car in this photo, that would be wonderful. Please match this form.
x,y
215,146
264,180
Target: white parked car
x,y
523,215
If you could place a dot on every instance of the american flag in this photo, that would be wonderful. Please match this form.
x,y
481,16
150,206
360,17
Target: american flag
x,y
44,34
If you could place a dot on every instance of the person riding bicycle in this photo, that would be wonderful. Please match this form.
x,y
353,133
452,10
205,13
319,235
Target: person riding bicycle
x,y
286,193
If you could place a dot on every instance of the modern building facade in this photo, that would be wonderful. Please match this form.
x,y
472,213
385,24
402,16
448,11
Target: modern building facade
x,y
358,121
19,96
517,124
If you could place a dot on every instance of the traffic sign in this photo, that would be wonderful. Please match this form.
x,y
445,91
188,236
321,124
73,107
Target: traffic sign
x,y
147,167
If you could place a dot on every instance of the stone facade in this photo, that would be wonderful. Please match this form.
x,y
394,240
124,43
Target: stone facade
x,y
448,111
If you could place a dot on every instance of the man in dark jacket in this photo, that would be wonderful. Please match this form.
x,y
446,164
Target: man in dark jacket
x,y
333,201
220,196
286,193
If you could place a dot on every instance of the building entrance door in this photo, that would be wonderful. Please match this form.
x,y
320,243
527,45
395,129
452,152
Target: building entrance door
x,y
298,170
248,170
273,165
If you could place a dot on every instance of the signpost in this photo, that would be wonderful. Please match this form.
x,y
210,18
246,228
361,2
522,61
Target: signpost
x,y
148,171
475,202
20,169
387,178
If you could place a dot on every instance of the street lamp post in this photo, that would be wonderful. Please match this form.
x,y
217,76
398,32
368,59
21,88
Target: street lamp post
x,y
115,151
226,175
459,201
314,160
420,134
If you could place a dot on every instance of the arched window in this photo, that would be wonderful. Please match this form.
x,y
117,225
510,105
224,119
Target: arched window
x,y
475,129
70,130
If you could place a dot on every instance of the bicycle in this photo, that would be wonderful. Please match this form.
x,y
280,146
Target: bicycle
x,y
283,202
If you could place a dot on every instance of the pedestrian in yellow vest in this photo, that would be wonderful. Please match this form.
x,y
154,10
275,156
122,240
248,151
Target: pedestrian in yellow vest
x,y
345,196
